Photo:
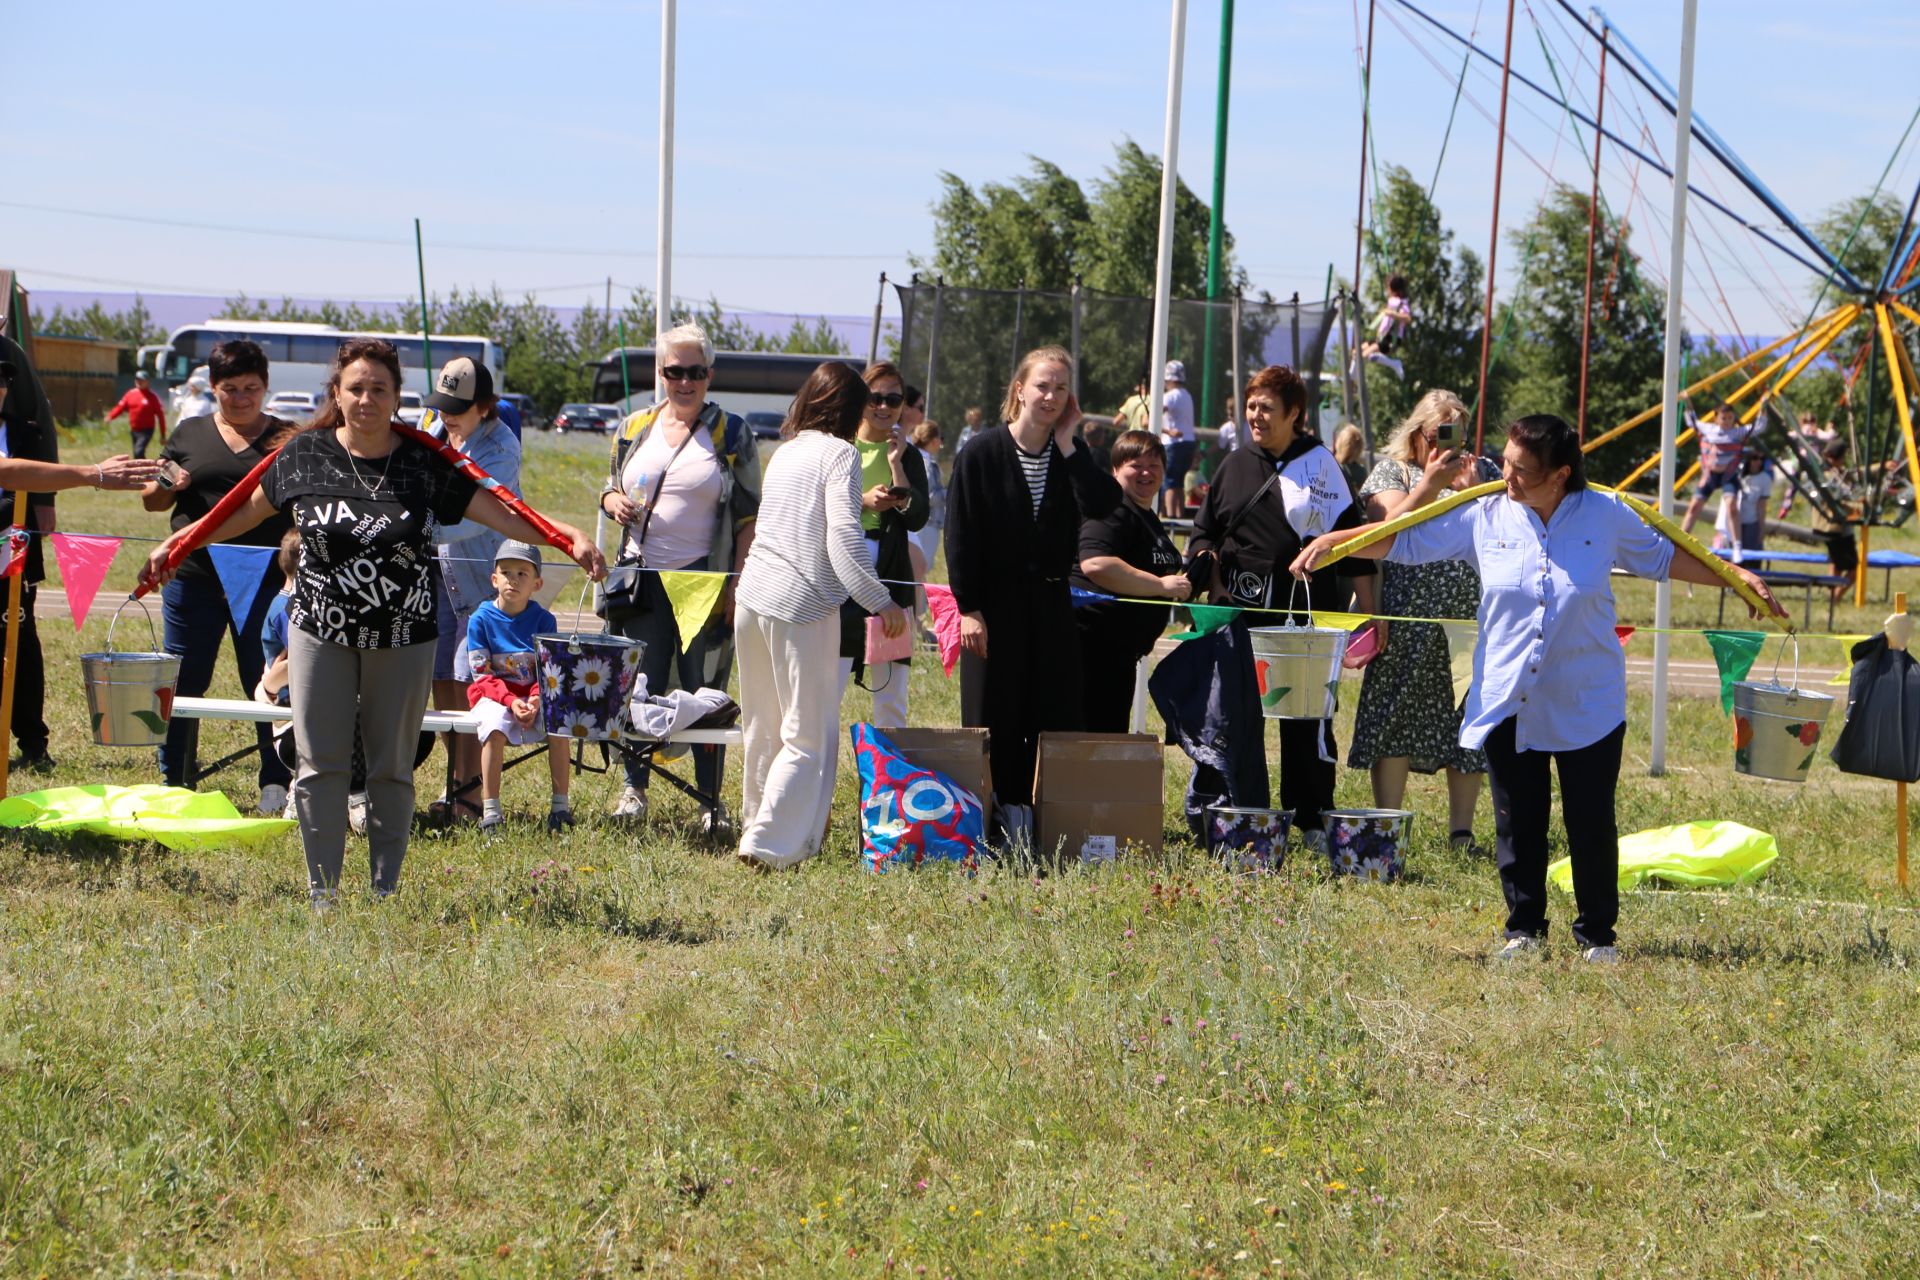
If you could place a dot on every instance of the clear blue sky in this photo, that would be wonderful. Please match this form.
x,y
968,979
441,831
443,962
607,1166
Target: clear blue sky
x,y
812,134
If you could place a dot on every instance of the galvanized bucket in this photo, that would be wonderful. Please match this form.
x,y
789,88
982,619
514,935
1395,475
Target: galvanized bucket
x,y
1248,839
130,695
1297,669
1776,727
1368,844
585,682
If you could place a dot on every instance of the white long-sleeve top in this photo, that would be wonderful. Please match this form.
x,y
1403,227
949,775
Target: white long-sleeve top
x,y
809,552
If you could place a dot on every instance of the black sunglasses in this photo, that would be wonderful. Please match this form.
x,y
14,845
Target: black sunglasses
x,y
892,400
685,373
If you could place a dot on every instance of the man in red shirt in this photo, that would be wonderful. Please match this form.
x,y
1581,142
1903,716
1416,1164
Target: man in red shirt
x,y
144,413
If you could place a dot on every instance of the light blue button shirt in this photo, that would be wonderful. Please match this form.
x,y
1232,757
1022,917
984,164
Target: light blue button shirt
x,y
1547,653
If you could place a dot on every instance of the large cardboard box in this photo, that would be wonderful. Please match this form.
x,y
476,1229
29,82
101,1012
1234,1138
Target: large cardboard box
x,y
1096,793
961,754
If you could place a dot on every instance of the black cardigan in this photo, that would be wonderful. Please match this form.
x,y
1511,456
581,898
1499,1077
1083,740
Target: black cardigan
x,y
996,548
1264,544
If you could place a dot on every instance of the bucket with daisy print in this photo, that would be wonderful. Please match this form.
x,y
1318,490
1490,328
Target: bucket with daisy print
x,y
585,681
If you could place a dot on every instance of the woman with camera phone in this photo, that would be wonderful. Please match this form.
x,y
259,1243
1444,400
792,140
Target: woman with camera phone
x,y
1409,718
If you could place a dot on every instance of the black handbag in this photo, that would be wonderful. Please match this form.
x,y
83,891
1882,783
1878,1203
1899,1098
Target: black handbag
x,y
623,594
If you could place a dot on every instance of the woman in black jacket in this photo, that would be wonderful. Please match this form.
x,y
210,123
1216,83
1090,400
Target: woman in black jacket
x,y
1268,499
893,503
1014,508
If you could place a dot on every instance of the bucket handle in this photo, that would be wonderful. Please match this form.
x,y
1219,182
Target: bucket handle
x,y
586,594
1796,661
1290,595
155,635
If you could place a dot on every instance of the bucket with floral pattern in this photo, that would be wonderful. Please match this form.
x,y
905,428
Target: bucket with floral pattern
x,y
1248,839
585,681
1776,730
1368,844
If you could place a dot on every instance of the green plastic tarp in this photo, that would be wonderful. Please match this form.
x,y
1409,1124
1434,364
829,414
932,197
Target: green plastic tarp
x,y
180,819
1690,854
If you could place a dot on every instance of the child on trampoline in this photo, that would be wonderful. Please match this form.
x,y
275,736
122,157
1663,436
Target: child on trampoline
x,y
504,689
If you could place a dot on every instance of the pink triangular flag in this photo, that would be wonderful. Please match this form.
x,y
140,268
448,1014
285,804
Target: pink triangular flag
x,y
1623,634
84,559
946,623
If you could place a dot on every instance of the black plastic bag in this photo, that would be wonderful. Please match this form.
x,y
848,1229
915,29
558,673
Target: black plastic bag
x,y
1881,738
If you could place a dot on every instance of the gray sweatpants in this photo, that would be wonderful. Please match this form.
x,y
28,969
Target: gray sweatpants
x,y
389,688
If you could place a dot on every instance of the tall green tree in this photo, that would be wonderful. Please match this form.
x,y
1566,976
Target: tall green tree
x,y
1442,348
1538,330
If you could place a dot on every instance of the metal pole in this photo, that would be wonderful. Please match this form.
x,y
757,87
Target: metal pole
x,y
426,341
1216,223
1169,191
1073,308
1360,216
933,335
663,262
1346,386
1593,221
1019,319
1670,377
15,591
1493,245
1239,370
873,342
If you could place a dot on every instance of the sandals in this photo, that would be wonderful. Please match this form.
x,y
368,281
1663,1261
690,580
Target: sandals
x,y
447,810
1463,842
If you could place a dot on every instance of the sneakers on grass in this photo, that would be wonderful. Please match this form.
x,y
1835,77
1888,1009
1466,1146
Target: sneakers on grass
x,y
492,827
1601,955
273,800
632,806
1518,948
357,812
559,821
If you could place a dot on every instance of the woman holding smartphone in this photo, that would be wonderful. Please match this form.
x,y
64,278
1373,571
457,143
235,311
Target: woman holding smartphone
x,y
894,504
202,460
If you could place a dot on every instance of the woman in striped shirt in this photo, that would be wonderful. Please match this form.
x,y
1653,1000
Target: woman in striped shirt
x,y
1014,509
809,555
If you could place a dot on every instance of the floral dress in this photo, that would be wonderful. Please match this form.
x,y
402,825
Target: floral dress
x,y
1407,707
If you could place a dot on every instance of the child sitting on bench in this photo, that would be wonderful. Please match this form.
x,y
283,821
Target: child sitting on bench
x,y
504,689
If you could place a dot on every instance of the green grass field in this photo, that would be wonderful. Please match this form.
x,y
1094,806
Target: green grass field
x,y
622,1054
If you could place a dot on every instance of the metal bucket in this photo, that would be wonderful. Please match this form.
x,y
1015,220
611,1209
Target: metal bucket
x,y
1368,844
585,681
1248,839
1776,727
1297,670
130,695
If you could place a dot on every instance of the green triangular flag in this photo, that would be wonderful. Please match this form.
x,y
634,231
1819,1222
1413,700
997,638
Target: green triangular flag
x,y
1733,653
1207,619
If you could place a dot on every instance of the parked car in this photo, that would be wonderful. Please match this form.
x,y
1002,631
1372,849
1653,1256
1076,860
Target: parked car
x,y
579,417
612,414
530,415
293,406
765,425
412,408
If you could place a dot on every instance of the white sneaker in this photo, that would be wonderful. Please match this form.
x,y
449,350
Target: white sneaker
x,y
1601,955
1314,842
291,813
715,824
632,806
273,800
357,812
1515,948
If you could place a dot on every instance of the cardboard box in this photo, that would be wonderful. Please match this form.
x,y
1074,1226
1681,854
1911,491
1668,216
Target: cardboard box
x,y
961,754
1096,793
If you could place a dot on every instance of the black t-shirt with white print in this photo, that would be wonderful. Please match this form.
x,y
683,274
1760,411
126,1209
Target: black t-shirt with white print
x,y
368,526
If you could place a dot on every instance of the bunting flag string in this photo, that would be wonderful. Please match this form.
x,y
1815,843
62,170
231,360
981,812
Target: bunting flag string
x,y
694,596
83,560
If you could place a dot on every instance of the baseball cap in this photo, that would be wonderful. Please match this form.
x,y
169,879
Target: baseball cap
x,y
461,381
512,549
140,375
1176,371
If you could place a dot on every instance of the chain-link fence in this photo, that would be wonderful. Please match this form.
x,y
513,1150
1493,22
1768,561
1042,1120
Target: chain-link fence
x,y
962,346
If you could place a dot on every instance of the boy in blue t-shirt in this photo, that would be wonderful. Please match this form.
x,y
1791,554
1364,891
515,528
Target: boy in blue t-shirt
x,y
505,683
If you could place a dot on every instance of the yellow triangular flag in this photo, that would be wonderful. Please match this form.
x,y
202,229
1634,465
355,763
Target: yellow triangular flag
x,y
1461,638
693,596
1341,621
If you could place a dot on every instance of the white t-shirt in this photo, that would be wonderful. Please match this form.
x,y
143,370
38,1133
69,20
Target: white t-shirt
x,y
1229,436
682,527
1754,492
1178,422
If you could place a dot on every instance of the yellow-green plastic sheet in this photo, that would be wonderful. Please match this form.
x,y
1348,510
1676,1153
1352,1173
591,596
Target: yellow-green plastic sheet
x,y
175,817
1692,854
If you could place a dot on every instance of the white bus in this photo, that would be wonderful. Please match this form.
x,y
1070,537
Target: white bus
x,y
757,385
300,356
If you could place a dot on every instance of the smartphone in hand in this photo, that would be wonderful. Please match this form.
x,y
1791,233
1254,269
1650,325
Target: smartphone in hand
x,y
171,474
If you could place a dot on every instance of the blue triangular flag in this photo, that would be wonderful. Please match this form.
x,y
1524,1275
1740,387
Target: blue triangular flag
x,y
1082,596
241,570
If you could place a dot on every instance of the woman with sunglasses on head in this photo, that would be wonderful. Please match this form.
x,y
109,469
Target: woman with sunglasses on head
x,y
1408,718
684,487
894,505
1014,508
1549,681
